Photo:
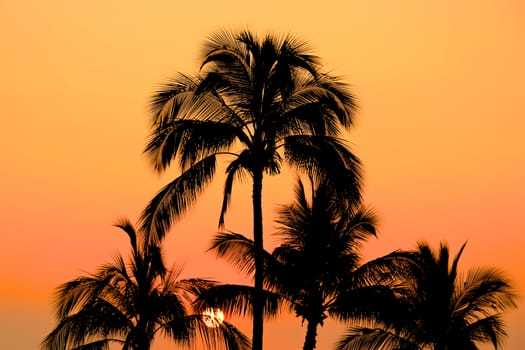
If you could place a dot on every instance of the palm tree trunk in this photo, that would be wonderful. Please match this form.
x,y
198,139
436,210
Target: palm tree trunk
x,y
311,335
142,341
258,302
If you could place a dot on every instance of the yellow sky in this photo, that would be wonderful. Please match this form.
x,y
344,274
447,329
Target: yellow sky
x,y
440,131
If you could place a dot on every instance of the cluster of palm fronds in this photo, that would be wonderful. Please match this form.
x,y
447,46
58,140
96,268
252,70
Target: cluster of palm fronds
x,y
405,300
131,302
260,104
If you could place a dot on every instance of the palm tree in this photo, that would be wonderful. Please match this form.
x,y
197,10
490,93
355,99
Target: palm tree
x,y
131,303
316,270
321,260
256,104
442,310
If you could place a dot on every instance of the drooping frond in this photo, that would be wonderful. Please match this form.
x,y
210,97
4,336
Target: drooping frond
x,y
204,138
175,198
234,171
318,107
362,222
76,294
236,249
327,160
104,344
167,101
186,331
99,318
238,299
379,338
342,104
489,329
484,292
224,47
191,140
187,289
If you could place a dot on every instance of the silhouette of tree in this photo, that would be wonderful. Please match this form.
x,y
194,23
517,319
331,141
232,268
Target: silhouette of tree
x,y
441,310
257,104
131,303
316,270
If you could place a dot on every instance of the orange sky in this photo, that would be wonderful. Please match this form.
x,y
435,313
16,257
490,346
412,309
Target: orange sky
x,y
440,131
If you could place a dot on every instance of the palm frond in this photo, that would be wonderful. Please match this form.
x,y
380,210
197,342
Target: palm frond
x,y
298,53
187,330
191,139
167,101
485,291
125,225
317,109
237,300
358,338
234,170
175,198
236,249
205,138
343,102
98,318
104,344
328,160
190,288
487,330
76,294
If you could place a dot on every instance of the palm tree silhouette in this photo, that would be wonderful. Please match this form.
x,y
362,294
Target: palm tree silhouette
x,y
256,104
442,310
131,303
316,270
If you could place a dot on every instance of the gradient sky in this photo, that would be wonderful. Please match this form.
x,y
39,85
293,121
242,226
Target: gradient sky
x,y
440,131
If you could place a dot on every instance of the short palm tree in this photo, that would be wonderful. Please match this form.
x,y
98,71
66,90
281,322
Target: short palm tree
x,y
256,104
442,310
130,304
316,269
321,260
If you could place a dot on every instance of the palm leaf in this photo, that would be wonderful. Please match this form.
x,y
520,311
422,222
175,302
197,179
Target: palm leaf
x,y
236,249
175,198
237,300
99,317
127,227
185,331
327,160
379,338
166,101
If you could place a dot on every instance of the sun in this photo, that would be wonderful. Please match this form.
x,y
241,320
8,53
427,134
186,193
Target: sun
x,y
213,317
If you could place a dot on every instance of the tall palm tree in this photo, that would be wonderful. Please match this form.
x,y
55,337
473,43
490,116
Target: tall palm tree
x,y
316,270
131,303
442,309
256,104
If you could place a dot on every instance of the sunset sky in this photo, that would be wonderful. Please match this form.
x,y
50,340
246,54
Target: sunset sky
x,y
440,131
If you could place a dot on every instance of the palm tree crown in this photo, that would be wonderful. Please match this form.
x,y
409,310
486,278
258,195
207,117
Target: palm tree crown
x,y
319,256
130,303
442,309
316,269
257,104
251,99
